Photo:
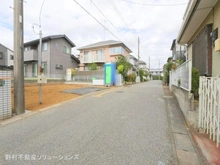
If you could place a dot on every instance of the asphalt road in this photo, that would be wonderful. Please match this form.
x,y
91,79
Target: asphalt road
x,y
123,126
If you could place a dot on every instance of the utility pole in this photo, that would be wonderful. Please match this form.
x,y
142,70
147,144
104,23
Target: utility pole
x,y
159,69
149,68
39,64
19,101
40,69
138,54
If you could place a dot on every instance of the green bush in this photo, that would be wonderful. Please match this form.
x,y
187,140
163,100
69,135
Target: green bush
x,y
166,77
93,66
156,77
131,77
141,74
195,81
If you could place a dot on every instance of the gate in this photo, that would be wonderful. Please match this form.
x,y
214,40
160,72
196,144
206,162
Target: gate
x,y
5,95
209,107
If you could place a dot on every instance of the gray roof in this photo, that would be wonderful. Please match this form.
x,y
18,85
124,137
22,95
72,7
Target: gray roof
x,y
49,38
6,47
75,58
141,62
103,43
133,57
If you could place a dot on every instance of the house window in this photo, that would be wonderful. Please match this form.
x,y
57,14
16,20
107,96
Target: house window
x,y
59,66
87,56
56,46
100,52
44,46
11,57
66,50
25,70
117,50
34,69
44,66
1,55
27,48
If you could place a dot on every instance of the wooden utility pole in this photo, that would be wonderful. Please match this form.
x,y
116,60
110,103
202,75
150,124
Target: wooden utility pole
x,y
19,103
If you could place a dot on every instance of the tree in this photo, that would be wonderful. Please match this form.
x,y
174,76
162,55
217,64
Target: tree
x,y
93,66
141,74
122,65
168,67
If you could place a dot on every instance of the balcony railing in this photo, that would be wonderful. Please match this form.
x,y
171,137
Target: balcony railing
x,y
99,58
91,59
31,55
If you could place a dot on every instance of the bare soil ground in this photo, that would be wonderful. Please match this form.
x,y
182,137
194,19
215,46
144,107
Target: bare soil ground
x,y
51,94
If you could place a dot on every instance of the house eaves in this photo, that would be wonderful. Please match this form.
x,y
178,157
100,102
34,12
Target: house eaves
x,y
75,58
34,42
195,14
173,44
102,44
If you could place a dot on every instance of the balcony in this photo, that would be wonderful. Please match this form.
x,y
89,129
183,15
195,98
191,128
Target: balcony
x,y
99,58
31,55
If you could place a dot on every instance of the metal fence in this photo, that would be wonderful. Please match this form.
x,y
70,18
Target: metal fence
x,y
181,76
88,76
209,107
5,95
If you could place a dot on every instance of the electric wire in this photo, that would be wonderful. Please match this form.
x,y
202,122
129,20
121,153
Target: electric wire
x,y
118,12
151,4
109,20
97,20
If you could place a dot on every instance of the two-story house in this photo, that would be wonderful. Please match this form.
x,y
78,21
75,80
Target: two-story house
x,y
200,31
6,56
134,62
56,56
178,51
101,53
143,65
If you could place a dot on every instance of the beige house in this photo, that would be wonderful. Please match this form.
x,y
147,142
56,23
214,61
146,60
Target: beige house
x,y
101,53
200,33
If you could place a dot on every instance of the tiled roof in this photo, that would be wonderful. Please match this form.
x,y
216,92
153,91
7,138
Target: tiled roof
x,y
103,43
49,38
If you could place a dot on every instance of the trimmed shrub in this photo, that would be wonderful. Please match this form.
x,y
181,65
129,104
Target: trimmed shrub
x,y
195,82
131,77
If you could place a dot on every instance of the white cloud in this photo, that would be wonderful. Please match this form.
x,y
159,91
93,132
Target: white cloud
x,y
156,26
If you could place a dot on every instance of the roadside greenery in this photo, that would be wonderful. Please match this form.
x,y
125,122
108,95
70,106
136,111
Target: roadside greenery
x,y
195,82
168,67
93,66
143,75
123,65
132,78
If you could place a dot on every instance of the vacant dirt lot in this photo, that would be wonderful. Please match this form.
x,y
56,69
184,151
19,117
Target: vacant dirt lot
x,y
51,94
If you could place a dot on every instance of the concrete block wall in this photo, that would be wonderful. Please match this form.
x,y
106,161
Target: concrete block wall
x,y
187,105
5,95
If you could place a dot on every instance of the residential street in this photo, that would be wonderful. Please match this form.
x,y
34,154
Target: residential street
x,y
124,126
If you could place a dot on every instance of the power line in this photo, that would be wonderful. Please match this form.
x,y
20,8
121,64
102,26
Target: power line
x,y
97,20
151,4
108,19
118,12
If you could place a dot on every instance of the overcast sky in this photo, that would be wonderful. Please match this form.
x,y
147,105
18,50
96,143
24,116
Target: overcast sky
x,y
156,22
